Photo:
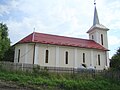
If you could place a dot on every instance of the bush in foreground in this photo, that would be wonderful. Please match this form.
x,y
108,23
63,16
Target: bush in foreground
x,y
60,81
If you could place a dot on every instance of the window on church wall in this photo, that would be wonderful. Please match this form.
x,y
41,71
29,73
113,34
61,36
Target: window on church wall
x,y
98,59
18,55
92,37
46,56
102,39
83,57
66,57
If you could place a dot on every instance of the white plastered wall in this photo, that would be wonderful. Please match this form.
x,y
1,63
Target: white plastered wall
x,y
56,56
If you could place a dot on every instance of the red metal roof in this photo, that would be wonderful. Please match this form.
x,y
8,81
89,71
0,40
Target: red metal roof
x,y
60,40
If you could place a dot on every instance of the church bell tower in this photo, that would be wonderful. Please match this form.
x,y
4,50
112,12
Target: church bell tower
x,y
98,32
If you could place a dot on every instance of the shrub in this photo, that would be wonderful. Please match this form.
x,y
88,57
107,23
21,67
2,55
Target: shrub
x,y
36,70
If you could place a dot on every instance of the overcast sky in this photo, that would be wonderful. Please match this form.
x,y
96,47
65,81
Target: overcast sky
x,y
60,17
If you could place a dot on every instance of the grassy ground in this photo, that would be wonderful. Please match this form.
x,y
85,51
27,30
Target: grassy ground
x,y
52,81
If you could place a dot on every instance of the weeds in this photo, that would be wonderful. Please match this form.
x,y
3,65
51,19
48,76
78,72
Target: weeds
x,y
39,79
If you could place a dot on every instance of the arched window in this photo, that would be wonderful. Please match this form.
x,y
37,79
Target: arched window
x,y
66,57
102,39
18,55
83,57
46,56
98,59
92,37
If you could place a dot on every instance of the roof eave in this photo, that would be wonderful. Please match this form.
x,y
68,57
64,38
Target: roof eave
x,y
103,49
95,27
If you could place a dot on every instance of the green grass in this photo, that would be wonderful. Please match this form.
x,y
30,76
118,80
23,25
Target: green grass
x,y
60,81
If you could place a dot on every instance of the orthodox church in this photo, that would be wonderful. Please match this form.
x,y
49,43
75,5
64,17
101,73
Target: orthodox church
x,y
61,51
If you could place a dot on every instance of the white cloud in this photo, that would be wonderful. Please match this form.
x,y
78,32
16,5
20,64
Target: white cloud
x,y
62,17
3,9
113,40
46,19
110,14
7,8
114,43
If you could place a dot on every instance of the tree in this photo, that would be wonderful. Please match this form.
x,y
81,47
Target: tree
x,y
115,60
9,55
4,40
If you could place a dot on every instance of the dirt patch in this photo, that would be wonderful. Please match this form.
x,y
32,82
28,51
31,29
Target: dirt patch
x,y
5,85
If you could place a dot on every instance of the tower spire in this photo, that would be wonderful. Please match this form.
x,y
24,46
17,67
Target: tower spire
x,y
96,19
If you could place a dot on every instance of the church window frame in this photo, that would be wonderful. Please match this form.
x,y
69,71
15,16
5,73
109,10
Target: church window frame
x,y
83,57
66,57
102,39
99,58
92,37
46,56
18,55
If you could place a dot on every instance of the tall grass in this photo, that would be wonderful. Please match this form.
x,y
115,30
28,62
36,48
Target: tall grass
x,y
64,81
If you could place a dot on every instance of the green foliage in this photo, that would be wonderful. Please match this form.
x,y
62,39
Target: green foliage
x,y
115,60
9,55
4,40
37,70
59,81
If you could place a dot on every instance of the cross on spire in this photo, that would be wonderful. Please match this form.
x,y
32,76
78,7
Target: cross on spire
x,y
94,2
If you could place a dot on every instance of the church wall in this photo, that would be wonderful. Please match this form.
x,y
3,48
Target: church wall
x,y
29,53
40,53
22,59
56,57
26,53
91,58
105,41
102,59
93,35
16,54
80,57
62,56
51,55
96,36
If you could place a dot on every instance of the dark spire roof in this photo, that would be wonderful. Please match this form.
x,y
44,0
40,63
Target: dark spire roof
x,y
96,23
96,19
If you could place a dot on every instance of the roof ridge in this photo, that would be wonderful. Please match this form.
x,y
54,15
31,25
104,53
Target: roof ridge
x,y
62,36
44,38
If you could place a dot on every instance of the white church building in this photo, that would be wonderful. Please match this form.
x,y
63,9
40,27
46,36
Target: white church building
x,y
61,51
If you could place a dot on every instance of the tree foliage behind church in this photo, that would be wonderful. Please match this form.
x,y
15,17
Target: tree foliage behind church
x,y
4,40
115,60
